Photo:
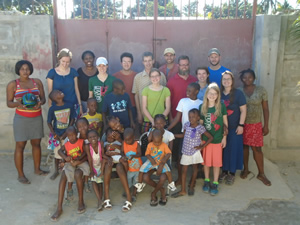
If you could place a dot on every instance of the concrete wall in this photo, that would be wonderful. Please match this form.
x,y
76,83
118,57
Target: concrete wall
x,y
276,62
22,37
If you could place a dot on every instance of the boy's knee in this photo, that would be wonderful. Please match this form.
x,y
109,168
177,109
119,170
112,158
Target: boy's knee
x,y
163,177
78,174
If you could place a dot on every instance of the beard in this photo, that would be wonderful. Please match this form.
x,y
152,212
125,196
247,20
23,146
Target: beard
x,y
184,72
214,64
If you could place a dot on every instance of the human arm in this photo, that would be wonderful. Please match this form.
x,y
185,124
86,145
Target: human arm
x,y
224,139
42,98
104,156
168,106
138,109
10,95
171,145
240,128
63,155
104,120
210,139
265,108
50,88
145,110
175,120
132,125
153,163
90,160
78,94
180,135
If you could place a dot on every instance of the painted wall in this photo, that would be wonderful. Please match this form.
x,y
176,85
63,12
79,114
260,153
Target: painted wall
x,y
22,37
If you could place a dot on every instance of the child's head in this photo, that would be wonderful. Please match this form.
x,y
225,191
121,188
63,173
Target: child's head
x,y
71,134
157,137
194,116
82,125
192,90
114,124
92,136
56,95
160,121
212,98
92,105
109,135
129,136
118,87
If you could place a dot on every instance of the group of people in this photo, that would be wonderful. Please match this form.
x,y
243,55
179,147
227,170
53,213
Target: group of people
x,y
95,120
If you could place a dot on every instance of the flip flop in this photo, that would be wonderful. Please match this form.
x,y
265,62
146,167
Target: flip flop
x,y
163,202
154,203
43,173
191,192
127,206
80,211
264,179
177,195
23,180
55,219
244,174
100,207
107,205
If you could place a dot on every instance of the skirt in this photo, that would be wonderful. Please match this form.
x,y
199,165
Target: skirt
x,y
233,153
196,158
253,135
28,128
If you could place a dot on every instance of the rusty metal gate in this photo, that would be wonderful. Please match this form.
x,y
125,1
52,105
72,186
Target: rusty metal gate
x,y
111,27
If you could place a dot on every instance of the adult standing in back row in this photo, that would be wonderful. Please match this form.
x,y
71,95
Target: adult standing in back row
x,y
215,68
100,85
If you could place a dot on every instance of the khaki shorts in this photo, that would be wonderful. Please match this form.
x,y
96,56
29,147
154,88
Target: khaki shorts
x,y
70,170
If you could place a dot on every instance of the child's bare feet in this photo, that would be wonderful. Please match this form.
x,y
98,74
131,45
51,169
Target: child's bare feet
x,y
244,174
264,179
81,209
178,194
100,205
41,172
154,201
56,215
23,180
54,175
178,182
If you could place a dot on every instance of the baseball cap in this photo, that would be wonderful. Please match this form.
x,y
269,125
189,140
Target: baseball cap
x,y
169,50
101,61
213,50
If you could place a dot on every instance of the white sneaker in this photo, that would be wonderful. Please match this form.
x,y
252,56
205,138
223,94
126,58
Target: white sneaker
x,y
172,186
140,187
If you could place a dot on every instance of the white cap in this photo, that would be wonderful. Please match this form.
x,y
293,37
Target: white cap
x,y
101,61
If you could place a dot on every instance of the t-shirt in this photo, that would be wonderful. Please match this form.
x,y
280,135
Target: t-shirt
x,y
254,107
233,109
74,150
201,93
157,153
178,86
118,106
111,148
213,124
167,136
93,121
216,75
155,100
128,81
169,72
100,89
129,150
65,84
192,138
61,116
83,84
184,106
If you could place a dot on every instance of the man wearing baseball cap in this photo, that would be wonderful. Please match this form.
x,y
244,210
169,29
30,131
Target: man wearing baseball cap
x,y
100,85
215,68
170,69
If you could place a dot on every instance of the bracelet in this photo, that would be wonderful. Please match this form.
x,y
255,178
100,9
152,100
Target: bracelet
x,y
241,125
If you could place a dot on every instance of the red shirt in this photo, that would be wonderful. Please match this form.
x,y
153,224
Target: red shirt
x,y
74,150
172,72
178,86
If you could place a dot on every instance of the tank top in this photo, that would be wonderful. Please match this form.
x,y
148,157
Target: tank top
x,y
96,157
135,163
27,112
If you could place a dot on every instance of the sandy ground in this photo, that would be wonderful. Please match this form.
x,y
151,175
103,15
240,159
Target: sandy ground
x,y
246,202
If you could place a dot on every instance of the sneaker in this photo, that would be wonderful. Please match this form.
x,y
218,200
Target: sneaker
x,y
214,189
230,179
222,177
206,187
140,186
172,186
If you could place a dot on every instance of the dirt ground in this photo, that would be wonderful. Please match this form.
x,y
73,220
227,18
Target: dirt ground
x,y
246,202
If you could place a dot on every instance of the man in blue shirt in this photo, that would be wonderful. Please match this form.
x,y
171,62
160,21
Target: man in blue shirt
x,y
215,68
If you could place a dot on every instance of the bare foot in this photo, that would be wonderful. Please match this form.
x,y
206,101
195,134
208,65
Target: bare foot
x,y
177,183
41,172
81,209
56,215
178,194
23,180
264,179
100,205
244,174
54,175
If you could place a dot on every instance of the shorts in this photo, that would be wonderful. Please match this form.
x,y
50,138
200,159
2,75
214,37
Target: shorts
x,y
147,166
132,178
253,135
116,158
70,170
212,155
196,158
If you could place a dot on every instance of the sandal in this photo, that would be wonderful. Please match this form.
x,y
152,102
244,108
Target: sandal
x,y
177,195
191,192
154,203
244,174
127,206
163,202
264,179
80,211
23,180
107,205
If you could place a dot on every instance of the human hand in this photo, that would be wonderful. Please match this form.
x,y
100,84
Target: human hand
x,y
153,163
38,105
68,159
92,174
223,142
239,130
265,130
132,125
199,147
140,118
160,168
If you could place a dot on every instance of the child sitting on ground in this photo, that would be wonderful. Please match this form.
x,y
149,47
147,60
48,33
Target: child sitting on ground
x,y
132,150
94,118
75,158
157,153
97,161
61,115
168,137
113,148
